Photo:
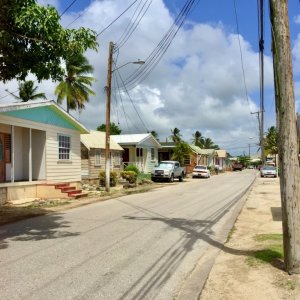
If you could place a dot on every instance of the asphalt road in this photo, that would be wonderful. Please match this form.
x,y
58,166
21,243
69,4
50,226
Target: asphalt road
x,y
142,246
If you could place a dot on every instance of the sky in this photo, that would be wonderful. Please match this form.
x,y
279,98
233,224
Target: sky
x,y
198,85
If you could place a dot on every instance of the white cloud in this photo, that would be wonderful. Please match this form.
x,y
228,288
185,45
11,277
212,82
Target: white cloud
x,y
297,19
198,85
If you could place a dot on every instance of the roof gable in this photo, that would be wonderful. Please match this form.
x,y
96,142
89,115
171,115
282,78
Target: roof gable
x,y
46,112
96,139
136,139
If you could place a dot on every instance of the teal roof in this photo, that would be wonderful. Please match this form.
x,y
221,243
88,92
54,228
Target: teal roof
x,y
47,114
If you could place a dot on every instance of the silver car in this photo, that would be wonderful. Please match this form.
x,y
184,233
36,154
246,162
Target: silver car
x,y
268,171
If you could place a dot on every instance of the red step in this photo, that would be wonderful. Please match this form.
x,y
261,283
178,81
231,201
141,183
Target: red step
x,y
74,192
61,185
67,189
78,195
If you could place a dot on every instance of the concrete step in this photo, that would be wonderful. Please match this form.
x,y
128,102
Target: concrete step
x,y
74,192
67,189
61,185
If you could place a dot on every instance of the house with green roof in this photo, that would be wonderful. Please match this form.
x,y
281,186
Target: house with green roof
x,y
39,145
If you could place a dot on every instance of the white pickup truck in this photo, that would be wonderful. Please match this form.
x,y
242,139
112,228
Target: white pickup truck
x,y
168,170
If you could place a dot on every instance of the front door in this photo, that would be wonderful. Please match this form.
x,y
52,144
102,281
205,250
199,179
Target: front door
x,y
126,155
2,158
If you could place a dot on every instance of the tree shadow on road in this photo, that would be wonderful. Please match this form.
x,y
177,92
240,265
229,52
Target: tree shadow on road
x,y
51,226
193,230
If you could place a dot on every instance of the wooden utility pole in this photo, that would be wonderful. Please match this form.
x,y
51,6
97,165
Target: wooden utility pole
x,y
107,135
288,148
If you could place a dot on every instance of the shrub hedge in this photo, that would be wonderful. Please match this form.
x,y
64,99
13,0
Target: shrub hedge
x,y
113,178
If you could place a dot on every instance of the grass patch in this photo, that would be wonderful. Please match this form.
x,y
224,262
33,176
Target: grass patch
x,y
272,249
231,232
268,237
287,284
47,204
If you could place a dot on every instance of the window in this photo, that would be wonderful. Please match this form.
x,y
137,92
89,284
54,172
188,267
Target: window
x,y
64,147
117,161
187,160
139,152
97,157
152,154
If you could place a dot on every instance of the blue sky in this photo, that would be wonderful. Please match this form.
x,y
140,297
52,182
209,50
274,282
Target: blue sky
x,y
198,85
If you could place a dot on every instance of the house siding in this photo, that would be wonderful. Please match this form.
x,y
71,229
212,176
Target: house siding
x,y
55,171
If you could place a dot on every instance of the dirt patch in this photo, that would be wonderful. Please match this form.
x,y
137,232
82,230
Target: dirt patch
x,y
255,270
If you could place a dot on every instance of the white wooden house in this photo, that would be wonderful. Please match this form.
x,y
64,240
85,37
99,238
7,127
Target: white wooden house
x,y
39,145
139,149
93,154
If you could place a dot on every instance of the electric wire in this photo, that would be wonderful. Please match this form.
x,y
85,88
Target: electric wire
x,y
72,3
131,100
130,30
241,55
156,55
117,18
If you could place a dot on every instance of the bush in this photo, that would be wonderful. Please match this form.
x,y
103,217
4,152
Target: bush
x,y
132,168
130,176
113,178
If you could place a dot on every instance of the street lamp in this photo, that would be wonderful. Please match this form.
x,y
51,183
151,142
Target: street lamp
x,y
108,96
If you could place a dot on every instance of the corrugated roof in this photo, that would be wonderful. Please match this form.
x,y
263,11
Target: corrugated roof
x,y
221,153
196,149
134,139
96,139
21,109
207,151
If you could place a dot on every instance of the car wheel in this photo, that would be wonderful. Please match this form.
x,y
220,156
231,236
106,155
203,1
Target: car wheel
x,y
181,177
171,179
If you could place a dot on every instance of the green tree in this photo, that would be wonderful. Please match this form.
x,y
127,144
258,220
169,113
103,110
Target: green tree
x,y
198,139
245,160
33,41
271,141
181,151
176,136
74,87
209,144
27,92
155,134
114,129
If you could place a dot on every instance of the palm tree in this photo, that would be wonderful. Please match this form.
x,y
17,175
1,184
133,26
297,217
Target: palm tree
x,y
181,151
176,136
27,92
155,134
209,144
198,139
75,86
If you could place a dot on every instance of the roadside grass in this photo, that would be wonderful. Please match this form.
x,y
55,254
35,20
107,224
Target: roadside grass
x,y
287,283
272,250
231,232
47,204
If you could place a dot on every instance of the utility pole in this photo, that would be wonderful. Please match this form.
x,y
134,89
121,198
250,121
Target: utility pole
x,y
288,147
107,135
261,65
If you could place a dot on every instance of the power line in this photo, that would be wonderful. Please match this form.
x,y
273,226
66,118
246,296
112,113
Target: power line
x,y
117,18
67,8
241,54
132,101
131,27
156,55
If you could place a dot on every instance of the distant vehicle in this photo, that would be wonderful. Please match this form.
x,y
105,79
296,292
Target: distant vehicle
x,y
236,166
268,171
201,171
250,167
168,170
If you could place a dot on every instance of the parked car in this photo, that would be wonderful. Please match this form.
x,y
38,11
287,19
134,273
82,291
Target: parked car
x,y
236,166
201,171
168,170
268,171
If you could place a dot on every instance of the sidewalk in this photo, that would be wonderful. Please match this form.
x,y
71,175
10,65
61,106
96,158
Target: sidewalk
x,y
250,266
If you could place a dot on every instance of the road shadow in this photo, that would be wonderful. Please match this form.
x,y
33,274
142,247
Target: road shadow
x,y
193,230
51,226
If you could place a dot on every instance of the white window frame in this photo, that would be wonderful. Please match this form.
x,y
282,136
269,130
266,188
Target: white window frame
x,y
187,160
98,157
152,153
67,155
117,160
